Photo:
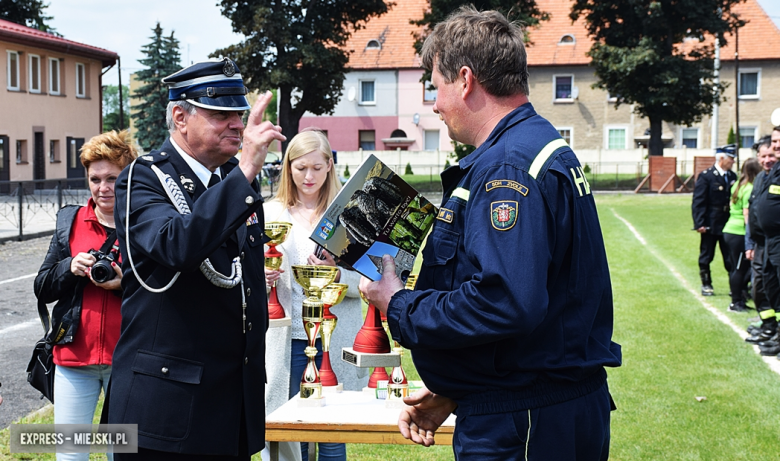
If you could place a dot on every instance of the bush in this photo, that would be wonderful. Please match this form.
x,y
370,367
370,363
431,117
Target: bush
x,y
408,169
586,169
731,138
447,164
346,171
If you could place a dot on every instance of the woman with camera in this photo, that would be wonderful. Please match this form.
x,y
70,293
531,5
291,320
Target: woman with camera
x,y
81,272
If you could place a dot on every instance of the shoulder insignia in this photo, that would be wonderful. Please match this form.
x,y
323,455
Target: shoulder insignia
x,y
148,158
507,183
774,189
445,215
187,184
503,214
580,181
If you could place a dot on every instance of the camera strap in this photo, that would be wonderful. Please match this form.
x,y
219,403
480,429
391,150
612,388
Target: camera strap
x,y
110,242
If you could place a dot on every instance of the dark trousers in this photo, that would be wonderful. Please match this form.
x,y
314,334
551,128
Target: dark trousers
x,y
740,267
759,291
577,430
707,251
771,272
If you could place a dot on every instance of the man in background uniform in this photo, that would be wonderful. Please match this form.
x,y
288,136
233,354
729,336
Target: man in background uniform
x,y
189,365
510,324
710,208
755,242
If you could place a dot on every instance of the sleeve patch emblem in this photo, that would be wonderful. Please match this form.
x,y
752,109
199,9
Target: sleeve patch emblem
x,y
446,215
509,184
503,214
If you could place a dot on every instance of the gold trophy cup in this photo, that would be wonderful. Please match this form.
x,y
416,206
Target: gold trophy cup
x,y
277,232
313,279
331,295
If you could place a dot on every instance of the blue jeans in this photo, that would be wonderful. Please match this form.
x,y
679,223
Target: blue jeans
x,y
77,390
298,361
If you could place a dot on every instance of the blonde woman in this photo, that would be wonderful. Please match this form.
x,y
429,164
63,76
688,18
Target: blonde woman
x,y
307,185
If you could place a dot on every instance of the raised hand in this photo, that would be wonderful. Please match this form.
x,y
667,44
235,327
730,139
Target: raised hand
x,y
258,135
379,293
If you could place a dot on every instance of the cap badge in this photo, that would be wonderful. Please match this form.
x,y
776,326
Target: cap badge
x,y
229,69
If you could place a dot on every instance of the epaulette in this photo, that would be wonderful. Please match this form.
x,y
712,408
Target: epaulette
x,y
155,156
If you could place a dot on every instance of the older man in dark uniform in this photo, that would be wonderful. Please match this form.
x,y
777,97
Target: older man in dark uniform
x,y
189,366
711,211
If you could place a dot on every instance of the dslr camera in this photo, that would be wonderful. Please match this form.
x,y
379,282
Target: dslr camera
x,y
102,271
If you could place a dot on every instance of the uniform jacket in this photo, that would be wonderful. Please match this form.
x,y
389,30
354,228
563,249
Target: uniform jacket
x,y
85,320
188,367
513,304
711,196
767,201
756,233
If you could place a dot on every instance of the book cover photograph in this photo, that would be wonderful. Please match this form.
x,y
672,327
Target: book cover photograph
x,y
375,213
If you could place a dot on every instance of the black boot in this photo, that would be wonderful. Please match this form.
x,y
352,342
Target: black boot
x,y
706,283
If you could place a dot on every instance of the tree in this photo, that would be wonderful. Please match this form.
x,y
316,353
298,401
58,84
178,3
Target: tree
x,y
658,55
111,107
162,59
28,13
526,12
297,46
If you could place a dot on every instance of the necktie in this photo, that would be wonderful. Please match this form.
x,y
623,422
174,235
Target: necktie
x,y
214,180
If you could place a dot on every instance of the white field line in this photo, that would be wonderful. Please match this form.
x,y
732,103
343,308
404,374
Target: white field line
x,y
18,278
20,326
772,361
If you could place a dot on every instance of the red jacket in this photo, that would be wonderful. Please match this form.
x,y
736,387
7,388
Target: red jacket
x,y
100,318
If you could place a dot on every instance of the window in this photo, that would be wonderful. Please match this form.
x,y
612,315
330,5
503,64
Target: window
x,y
749,83
615,137
367,95
747,136
565,134
81,81
54,151
429,92
367,139
563,87
54,76
566,39
35,74
373,45
690,137
431,139
13,70
21,151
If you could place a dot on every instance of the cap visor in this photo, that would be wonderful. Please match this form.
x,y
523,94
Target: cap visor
x,y
232,102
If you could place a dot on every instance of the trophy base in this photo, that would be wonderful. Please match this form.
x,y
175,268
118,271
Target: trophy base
x,y
310,403
333,389
278,323
363,360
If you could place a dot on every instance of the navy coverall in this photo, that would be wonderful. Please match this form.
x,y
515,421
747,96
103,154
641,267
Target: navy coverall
x,y
512,313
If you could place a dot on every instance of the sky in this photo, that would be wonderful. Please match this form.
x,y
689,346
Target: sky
x,y
125,26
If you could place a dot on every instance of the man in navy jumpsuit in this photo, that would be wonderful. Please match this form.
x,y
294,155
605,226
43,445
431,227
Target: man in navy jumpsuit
x,y
510,324
189,365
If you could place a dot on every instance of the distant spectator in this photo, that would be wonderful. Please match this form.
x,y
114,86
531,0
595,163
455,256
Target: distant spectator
x,y
710,209
734,235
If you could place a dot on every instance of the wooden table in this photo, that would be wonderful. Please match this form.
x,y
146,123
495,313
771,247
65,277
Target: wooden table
x,y
347,417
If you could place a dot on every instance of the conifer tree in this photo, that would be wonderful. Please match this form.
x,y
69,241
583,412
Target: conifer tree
x,y
162,59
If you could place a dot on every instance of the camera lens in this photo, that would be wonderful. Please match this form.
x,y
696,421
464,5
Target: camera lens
x,y
102,271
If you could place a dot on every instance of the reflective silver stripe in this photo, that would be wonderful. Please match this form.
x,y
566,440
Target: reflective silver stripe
x,y
544,154
461,193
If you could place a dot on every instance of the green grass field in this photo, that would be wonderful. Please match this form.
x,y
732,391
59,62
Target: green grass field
x,y
675,351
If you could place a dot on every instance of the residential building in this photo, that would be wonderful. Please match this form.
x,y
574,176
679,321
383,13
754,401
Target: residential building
x,y
51,102
384,105
382,92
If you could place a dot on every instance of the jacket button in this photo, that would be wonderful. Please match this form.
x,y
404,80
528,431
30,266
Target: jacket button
x,y
251,238
249,325
248,292
249,200
246,360
164,370
242,255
